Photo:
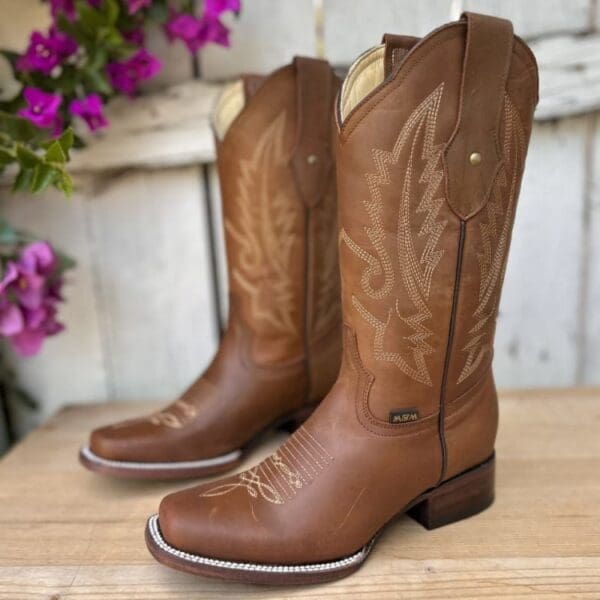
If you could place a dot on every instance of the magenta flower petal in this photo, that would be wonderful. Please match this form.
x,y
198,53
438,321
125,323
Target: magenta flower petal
x,y
134,6
38,257
144,64
214,31
135,36
64,45
214,8
44,53
41,54
125,76
35,318
11,319
42,107
10,276
188,29
90,110
64,7
28,342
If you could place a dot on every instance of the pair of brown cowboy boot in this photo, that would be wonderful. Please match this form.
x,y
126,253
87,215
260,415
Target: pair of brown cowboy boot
x,y
428,138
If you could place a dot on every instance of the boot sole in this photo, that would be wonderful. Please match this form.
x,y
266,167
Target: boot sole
x,y
463,496
188,469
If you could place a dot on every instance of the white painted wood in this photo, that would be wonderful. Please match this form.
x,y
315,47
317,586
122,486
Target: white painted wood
x,y
569,75
266,35
175,57
153,283
164,129
534,18
219,232
590,350
19,19
352,28
538,322
70,367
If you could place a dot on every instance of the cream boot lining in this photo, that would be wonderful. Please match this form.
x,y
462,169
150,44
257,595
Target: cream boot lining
x,y
365,74
229,106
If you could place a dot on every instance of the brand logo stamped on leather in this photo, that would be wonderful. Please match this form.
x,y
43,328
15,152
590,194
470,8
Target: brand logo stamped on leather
x,y
404,416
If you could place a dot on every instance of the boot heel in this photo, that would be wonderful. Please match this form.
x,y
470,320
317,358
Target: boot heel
x,y
458,498
292,422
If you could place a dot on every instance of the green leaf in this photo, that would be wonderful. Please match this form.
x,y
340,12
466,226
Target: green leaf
x,y
97,59
66,141
64,183
90,18
27,157
158,12
55,153
43,176
8,235
65,262
24,398
110,10
23,180
18,129
6,157
97,82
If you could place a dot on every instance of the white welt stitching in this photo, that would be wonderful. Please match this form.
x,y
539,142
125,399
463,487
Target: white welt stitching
x,y
181,464
334,565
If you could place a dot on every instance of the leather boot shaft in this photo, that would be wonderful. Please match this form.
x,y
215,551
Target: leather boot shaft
x,y
430,165
279,200
281,350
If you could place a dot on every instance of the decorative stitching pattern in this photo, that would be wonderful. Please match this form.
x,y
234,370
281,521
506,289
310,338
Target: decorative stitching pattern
x,y
175,416
495,239
265,234
282,475
416,270
181,412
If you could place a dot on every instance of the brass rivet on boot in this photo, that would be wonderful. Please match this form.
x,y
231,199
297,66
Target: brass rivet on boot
x,y
311,159
475,158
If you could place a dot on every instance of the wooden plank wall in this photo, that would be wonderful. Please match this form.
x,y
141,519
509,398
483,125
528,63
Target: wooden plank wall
x,y
142,313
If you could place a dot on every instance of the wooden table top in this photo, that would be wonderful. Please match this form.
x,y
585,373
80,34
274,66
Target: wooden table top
x,y
68,534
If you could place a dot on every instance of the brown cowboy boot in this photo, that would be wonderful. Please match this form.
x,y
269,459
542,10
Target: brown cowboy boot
x,y
432,142
281,352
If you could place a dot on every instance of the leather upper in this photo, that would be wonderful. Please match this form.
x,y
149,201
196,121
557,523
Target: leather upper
x,y
424,237
281,350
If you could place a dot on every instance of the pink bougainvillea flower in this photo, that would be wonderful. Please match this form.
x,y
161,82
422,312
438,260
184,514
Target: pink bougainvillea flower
x,y
44,53
134,36
134,6
63,7
39,257
11,318
145,65
196,33
26,286
125,76
214,31
64,45
188,29
29,341
42,107
29,294
90,110
214,8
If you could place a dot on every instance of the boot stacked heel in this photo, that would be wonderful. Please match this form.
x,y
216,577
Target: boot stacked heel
x,y
458,498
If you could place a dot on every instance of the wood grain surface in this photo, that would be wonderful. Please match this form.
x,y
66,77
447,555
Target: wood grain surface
x,y
68,534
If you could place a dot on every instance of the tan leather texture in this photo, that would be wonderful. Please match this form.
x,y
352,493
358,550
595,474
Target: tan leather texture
x,y
282,347
421,281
